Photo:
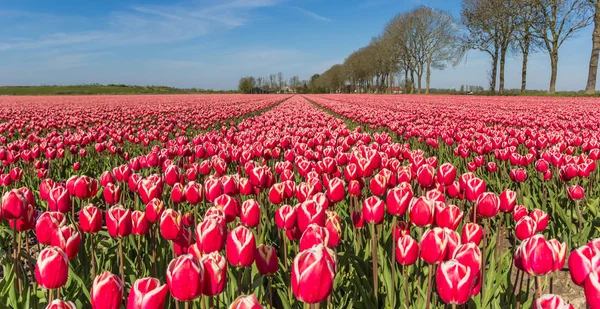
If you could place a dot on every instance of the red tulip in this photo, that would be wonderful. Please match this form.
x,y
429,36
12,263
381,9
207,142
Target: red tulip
x,y
488,205
59,304
575,192
193,193
471,232
336,190
45,186
541,218
59,200
170,224
313,273
470,256
154,210
508,200
285,217
112,194
210,235
474,188
592,289
519,212
107,292
246,302
582,261
310,212
212,189
139,223
14,205
425,175
537,256
373,210
446,174
421,211
398,199
240,247
147,293
560,253
378,185
314,235
434,245
449,217
90,219
550,301
106,178
118,221
250,213
82,187
52,268
333,226
266,260
454,282
68,240
407,250
525,228
276,193
215,273
172,175
229,205
185,277
148,190
47,224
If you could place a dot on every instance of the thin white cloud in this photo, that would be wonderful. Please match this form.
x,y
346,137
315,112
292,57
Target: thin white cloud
x,y
142,25
312,15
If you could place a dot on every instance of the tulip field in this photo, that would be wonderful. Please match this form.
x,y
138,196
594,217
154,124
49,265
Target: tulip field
x,y
289,201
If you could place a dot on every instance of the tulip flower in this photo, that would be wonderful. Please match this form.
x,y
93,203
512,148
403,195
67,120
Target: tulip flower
x,y
314,235
210,235
373,210
118,221
215,273
139,223
185,277
508,200
52,269
246,302
266,260
90,219
310,212
398,199
59,200
313,273
171,225
525,228
59,304
421,211
240,247
541,219
250,213
407,250
446,174
147,293
14,205
454,282
107,292
550,301
68,240
154,210
47,224
582,261
449,217
488,205
537,256
285,217
592,289
434,245
333,226
112,194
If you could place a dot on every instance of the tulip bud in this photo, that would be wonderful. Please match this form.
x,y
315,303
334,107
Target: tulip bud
x,y
148,190
575,192
246,302
541,219
378,185
449,217
398,199
185,277
508,200
112,194
333,226
154,210
193,193
407,250
285,217
215,273
488,205
250,213
147,293
14,205
373,210
240,247
592,289
68,240
454,282
474,188
537,256
47,224
52,268
336,190
310,212
139,223
446,174
519,212
107,292
59,199
170,224
266,260
90,219
276,193
551,301
525,228
118,221
560,253
313,273
434,245
210,235
59,304
421,211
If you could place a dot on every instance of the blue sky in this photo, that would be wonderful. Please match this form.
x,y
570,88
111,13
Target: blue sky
x,y
211,43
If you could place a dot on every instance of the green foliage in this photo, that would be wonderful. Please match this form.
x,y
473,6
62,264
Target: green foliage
x,y
93,89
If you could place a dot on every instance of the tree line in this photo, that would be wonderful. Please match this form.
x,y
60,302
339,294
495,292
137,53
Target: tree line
x,y
416,42
273,84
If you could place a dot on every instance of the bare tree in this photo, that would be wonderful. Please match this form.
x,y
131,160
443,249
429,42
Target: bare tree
x,y
273,82
526,42
281,80
593,68
558,21
483,31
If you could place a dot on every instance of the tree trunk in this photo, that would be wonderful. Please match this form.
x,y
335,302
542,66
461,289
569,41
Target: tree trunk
x,y
412,82
554,71
593,69
428,76
524,65
494,73
502,63
406,81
